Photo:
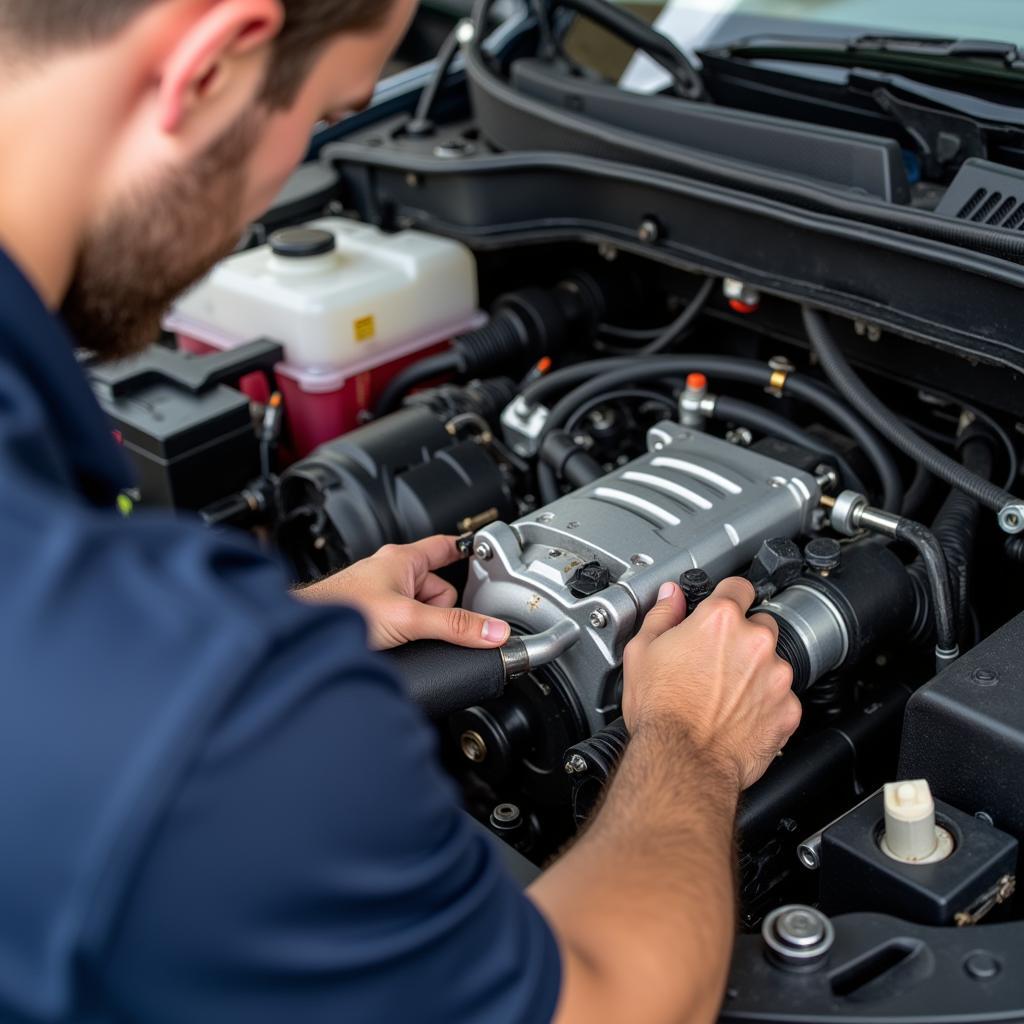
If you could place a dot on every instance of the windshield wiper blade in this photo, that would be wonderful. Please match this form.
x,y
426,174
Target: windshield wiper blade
x,y
935,48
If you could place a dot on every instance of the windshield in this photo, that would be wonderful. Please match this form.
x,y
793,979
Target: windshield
x,y
697,24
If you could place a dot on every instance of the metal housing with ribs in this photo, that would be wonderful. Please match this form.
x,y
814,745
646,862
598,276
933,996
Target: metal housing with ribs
x,y
692,501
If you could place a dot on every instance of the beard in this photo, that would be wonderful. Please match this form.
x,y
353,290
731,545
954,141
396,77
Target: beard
x,y
156,244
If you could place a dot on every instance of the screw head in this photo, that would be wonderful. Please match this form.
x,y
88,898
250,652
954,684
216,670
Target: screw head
x,y
1011,519
576,765
650,230
599,618
473,747
484,551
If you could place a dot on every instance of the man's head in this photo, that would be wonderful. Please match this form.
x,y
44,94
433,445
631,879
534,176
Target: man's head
x,y
200,110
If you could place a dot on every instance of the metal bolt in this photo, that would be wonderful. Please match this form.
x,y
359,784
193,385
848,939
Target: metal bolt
x,y
599,618
798,937
484,551
741,436
546,517
576,765
473,746
650,230
1011,519
828,478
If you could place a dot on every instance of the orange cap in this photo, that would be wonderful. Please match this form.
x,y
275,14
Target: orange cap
x,y
544,365
696,382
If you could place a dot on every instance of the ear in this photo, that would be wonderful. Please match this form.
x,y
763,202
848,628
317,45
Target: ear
x,y
214,57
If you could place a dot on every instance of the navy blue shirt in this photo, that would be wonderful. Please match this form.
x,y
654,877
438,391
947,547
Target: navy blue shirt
x,y
215,804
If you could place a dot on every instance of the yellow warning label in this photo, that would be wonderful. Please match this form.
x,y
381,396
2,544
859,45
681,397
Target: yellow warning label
x,y
365,329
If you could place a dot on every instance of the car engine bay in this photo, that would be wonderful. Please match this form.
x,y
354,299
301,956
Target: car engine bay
x,y
605,367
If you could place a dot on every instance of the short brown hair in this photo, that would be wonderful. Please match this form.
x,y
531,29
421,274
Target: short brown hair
x,y
43,24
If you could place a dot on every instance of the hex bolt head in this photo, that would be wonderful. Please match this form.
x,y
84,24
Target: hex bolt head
x,y
576,765
484,551
599,618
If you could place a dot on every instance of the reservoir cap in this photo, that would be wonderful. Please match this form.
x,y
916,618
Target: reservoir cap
x,y
301,243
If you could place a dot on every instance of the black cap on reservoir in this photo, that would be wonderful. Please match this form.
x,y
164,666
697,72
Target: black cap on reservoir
x,y
301,243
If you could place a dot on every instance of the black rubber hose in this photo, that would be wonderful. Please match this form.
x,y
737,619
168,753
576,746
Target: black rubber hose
x,y
933,561
618,372
568,460
626,26
854,391
439,365
956,527
442,679
764,421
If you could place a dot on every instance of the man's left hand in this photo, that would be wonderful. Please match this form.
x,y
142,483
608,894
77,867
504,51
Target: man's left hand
x,y
402,599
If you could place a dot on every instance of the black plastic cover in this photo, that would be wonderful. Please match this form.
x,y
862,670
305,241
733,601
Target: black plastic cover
x,y
964,731
868,163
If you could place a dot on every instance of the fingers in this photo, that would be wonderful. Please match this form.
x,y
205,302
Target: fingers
x,y
436,591
768,622
437,552
417,621
665,615
737,590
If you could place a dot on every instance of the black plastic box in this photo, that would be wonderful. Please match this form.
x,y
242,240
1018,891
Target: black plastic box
x,y
964,731
857,876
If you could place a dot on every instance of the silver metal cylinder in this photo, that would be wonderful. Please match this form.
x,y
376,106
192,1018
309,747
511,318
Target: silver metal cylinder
x,y
818,624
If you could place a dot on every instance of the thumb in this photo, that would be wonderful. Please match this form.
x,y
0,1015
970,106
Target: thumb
x,y
665,615
452,625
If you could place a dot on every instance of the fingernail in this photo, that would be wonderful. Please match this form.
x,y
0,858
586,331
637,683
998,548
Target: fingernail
x,y
667,590
495,632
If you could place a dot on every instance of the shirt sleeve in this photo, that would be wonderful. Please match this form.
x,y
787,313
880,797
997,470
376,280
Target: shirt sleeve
x,y
314,865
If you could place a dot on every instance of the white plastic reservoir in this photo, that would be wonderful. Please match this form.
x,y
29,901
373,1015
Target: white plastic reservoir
x,y
335,293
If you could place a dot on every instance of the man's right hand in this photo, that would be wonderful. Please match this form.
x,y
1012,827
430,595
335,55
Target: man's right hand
x,y
715,676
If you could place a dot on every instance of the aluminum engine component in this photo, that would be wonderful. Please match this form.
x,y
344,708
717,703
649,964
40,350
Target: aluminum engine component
x,y
693,501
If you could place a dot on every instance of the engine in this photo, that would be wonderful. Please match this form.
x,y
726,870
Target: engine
x,y
596,558
582,470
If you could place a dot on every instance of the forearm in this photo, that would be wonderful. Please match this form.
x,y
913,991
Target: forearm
x,y
643,904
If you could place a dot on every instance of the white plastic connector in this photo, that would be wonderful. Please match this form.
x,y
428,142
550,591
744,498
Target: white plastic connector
x,y
911,835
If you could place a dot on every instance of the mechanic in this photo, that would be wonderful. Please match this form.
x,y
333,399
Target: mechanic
x,y
215,803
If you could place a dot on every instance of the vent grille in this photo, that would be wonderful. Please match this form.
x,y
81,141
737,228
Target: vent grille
x,y
986,193
994,209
